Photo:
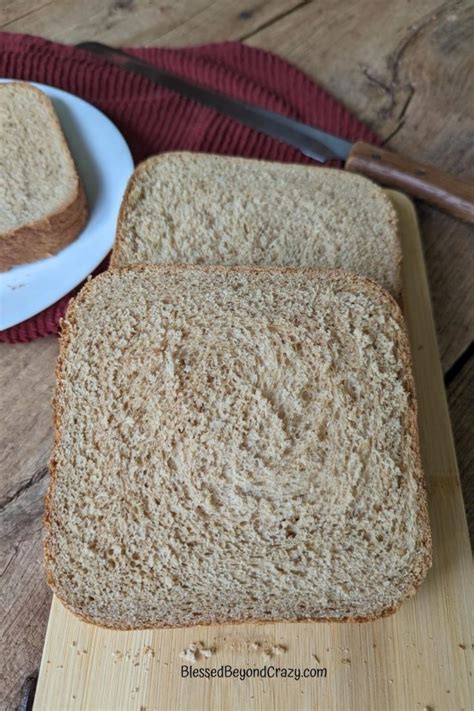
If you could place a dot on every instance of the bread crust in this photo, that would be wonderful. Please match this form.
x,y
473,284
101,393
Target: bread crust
x,y
386,612
43,238
357,283
136,175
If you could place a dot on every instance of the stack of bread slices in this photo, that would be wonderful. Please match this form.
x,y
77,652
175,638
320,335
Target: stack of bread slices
x,y
43,206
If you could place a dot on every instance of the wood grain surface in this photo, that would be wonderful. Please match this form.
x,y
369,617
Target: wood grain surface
x,y
405,68
461,404
387,664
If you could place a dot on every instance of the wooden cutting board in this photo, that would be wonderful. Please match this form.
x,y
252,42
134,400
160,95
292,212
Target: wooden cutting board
x,y
420,658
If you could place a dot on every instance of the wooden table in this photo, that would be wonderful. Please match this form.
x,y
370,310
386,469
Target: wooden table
x,y
406,68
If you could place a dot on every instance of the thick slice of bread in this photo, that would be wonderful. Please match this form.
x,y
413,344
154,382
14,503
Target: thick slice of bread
x,y
203,209
234,444
42,204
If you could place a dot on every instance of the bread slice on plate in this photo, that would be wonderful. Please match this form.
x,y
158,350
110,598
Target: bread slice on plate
x,y
194,208
234,444
42,204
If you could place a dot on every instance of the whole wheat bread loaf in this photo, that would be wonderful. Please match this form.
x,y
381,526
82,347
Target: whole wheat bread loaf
x,y
234,444
42,204
203,209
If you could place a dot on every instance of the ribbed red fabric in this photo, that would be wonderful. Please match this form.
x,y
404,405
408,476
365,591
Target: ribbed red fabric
x,y
153,120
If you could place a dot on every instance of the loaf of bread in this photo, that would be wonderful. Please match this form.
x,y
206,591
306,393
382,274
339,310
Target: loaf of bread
x,y
193,208
234,444
42,204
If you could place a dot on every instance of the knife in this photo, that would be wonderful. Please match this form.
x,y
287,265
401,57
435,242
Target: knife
x,y
444,191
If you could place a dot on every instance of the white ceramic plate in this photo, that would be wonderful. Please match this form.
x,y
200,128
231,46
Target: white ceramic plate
x,y
104,164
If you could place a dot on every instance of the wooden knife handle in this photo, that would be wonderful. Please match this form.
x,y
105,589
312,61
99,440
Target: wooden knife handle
x,y
453,195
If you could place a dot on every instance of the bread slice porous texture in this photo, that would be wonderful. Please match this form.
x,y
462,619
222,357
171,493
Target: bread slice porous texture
x,y
234,444
191,208
42,203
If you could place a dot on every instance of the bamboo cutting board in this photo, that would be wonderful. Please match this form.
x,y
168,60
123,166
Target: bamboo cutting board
x,y
419,658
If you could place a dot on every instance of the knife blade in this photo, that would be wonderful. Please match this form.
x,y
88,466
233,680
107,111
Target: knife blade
x,y
447,192
313,143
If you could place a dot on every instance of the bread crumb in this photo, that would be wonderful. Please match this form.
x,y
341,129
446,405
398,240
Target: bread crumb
x,y
315,656
266,648
278,649
271,650
346,661
189,654
196,650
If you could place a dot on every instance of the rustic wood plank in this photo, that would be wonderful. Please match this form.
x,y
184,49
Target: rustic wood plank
x,y
25,598
449,255
409,78
27,377
142,23
461,405
26,383
15,10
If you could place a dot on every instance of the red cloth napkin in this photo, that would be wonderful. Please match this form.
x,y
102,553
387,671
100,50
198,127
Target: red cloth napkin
x,y
153,120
